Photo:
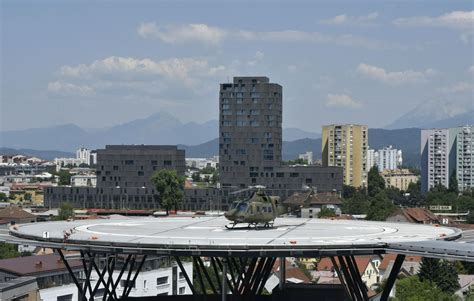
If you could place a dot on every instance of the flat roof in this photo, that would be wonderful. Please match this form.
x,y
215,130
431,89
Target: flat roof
x,y
208,235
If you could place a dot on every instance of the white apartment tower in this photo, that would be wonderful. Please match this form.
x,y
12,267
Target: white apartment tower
x,y
438,157
389,158
84,155
465,157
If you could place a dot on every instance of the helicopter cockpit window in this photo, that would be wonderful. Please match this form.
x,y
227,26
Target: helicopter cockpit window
x,y
242,207
234,205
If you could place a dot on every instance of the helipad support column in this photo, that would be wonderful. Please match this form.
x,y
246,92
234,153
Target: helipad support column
x,y
224,276
282,273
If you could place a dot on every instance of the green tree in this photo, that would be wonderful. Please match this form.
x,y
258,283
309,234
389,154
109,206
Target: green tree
x,y
348,191
415,197
3,197
470,217
453,183
380,207
196,177
298,161
326,212
8,251
215,177
64,177
66,211
27,196
441,273
376,183
412,289
170,187
357,204
208,170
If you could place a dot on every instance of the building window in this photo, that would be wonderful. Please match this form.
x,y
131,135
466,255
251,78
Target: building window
x,y
226,123
240,112
64,298
128,162
255,112
254,140
167,163
140,173
182,290
225,107
254,123
226,112
130,283
162,280
241,123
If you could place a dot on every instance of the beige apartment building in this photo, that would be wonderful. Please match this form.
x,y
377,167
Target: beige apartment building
x,y
399,178
345,145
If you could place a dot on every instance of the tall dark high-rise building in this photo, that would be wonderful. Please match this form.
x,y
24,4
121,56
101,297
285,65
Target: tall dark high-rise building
x,y
250,137
250,142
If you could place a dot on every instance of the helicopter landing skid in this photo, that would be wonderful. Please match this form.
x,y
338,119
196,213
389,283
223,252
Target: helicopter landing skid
x,y
255,226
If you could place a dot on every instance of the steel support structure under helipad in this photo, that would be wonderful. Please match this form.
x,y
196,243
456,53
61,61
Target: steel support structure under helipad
x,y
246,256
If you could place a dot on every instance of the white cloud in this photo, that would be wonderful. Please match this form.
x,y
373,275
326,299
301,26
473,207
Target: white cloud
x,y
182,33
342,101
67,89
292,68
455,19
257,58
133,68
353,20
460,87
188,33
397,77
467,37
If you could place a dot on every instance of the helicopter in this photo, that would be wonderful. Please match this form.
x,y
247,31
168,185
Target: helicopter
x,y
258,210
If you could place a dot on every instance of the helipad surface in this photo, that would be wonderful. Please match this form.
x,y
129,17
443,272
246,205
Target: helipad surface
x,y
209,233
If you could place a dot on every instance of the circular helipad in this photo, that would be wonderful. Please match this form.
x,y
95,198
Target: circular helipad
x,y
208,234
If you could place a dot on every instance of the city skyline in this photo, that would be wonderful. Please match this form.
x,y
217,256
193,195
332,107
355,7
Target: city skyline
x,y
121,62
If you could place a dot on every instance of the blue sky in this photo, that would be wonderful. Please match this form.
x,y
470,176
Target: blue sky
x,y
100,63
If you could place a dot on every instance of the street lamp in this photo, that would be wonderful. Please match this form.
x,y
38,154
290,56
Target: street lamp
x,y
118,187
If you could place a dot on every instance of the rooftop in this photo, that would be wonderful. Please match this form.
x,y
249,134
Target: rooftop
x,y
15,213
36,265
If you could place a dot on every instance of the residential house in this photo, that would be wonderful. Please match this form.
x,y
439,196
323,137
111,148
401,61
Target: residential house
x,y
368,267
309,204
16,215
293,274
52,277
413,215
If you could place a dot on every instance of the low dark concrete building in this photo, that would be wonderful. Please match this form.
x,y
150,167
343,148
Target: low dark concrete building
x,y
123,178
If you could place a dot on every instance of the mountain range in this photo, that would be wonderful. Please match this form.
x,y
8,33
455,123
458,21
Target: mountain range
x,y
437,113
160,128
199,139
